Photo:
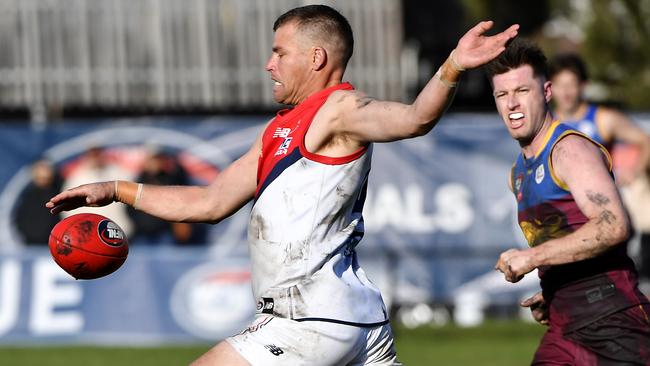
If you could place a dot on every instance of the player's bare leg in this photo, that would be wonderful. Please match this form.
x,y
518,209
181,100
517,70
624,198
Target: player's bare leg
x,y
221,354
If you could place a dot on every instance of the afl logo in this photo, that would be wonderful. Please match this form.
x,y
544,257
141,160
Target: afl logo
x,y
213,300
110,233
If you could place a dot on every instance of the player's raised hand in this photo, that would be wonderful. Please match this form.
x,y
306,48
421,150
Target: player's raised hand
x,y
93,195
538,308
475,49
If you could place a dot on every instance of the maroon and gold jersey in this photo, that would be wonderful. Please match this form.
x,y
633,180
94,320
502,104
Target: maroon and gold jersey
x,y
578,293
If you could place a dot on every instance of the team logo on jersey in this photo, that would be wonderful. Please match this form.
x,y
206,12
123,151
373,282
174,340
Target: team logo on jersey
x,y
517,187
284,148
282,132
539,174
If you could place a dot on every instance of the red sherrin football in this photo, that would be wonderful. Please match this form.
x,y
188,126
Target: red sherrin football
x,y
88,246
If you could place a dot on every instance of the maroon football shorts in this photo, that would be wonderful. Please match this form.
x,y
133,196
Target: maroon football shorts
x,y
622,338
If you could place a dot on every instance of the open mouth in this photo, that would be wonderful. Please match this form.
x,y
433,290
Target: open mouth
x,y
516,119
516,116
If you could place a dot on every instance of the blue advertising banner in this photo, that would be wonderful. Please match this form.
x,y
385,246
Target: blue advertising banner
x,y
444,192
438,213
167,296
160,295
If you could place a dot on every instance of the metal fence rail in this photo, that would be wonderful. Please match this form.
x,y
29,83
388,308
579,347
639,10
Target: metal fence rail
x,y
174,53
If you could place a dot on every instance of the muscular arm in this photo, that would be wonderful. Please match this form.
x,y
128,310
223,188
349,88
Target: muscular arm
x,y
364,119
582,167
231,190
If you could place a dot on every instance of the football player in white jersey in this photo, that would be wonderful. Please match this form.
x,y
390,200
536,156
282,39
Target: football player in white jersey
x,y
307,174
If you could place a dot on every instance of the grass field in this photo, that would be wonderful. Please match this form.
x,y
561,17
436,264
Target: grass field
x,y
495,343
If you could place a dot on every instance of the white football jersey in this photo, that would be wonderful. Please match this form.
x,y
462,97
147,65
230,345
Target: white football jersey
x,y
305,224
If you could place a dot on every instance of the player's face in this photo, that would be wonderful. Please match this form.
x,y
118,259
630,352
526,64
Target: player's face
x,y
567,90
289,65
522,101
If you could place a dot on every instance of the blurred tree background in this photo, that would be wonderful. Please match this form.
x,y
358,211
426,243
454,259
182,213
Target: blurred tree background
x,y
613,36
137,62
616,45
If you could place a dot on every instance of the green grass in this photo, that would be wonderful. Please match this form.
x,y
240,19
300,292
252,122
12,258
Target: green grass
x,y
495,343
100,356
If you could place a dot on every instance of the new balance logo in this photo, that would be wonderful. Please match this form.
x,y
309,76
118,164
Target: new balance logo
x,y
282,132
265,305
274,349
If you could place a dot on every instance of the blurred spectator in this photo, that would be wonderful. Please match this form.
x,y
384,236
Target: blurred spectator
x,y
162,169
607,126
95,167
33,220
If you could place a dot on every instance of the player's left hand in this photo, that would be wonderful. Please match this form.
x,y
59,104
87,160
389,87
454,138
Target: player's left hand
x,y
538,308
514,264
90,195
475,49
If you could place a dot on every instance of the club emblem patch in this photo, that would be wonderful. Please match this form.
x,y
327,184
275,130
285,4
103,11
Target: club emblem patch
x,y
539,174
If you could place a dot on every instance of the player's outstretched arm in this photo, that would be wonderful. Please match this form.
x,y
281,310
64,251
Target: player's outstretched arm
x,y
582,167
231,190
367,120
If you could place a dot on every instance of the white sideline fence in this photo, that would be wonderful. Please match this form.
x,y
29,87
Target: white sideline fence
x,y
176,53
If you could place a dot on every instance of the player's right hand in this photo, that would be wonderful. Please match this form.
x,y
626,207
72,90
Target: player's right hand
x,y
92,195
538,308
475,48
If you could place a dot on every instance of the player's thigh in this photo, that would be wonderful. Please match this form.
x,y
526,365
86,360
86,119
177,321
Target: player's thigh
x,y
278,341
556,350
377,348
221,354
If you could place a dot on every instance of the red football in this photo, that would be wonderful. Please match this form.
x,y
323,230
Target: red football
x,y
88,246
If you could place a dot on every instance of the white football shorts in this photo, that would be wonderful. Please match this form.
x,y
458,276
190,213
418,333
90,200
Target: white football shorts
x,y
271,340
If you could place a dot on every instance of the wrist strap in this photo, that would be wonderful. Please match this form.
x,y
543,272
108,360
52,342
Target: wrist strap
x,y
138,194
455,64
127,192
449,72
445,82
